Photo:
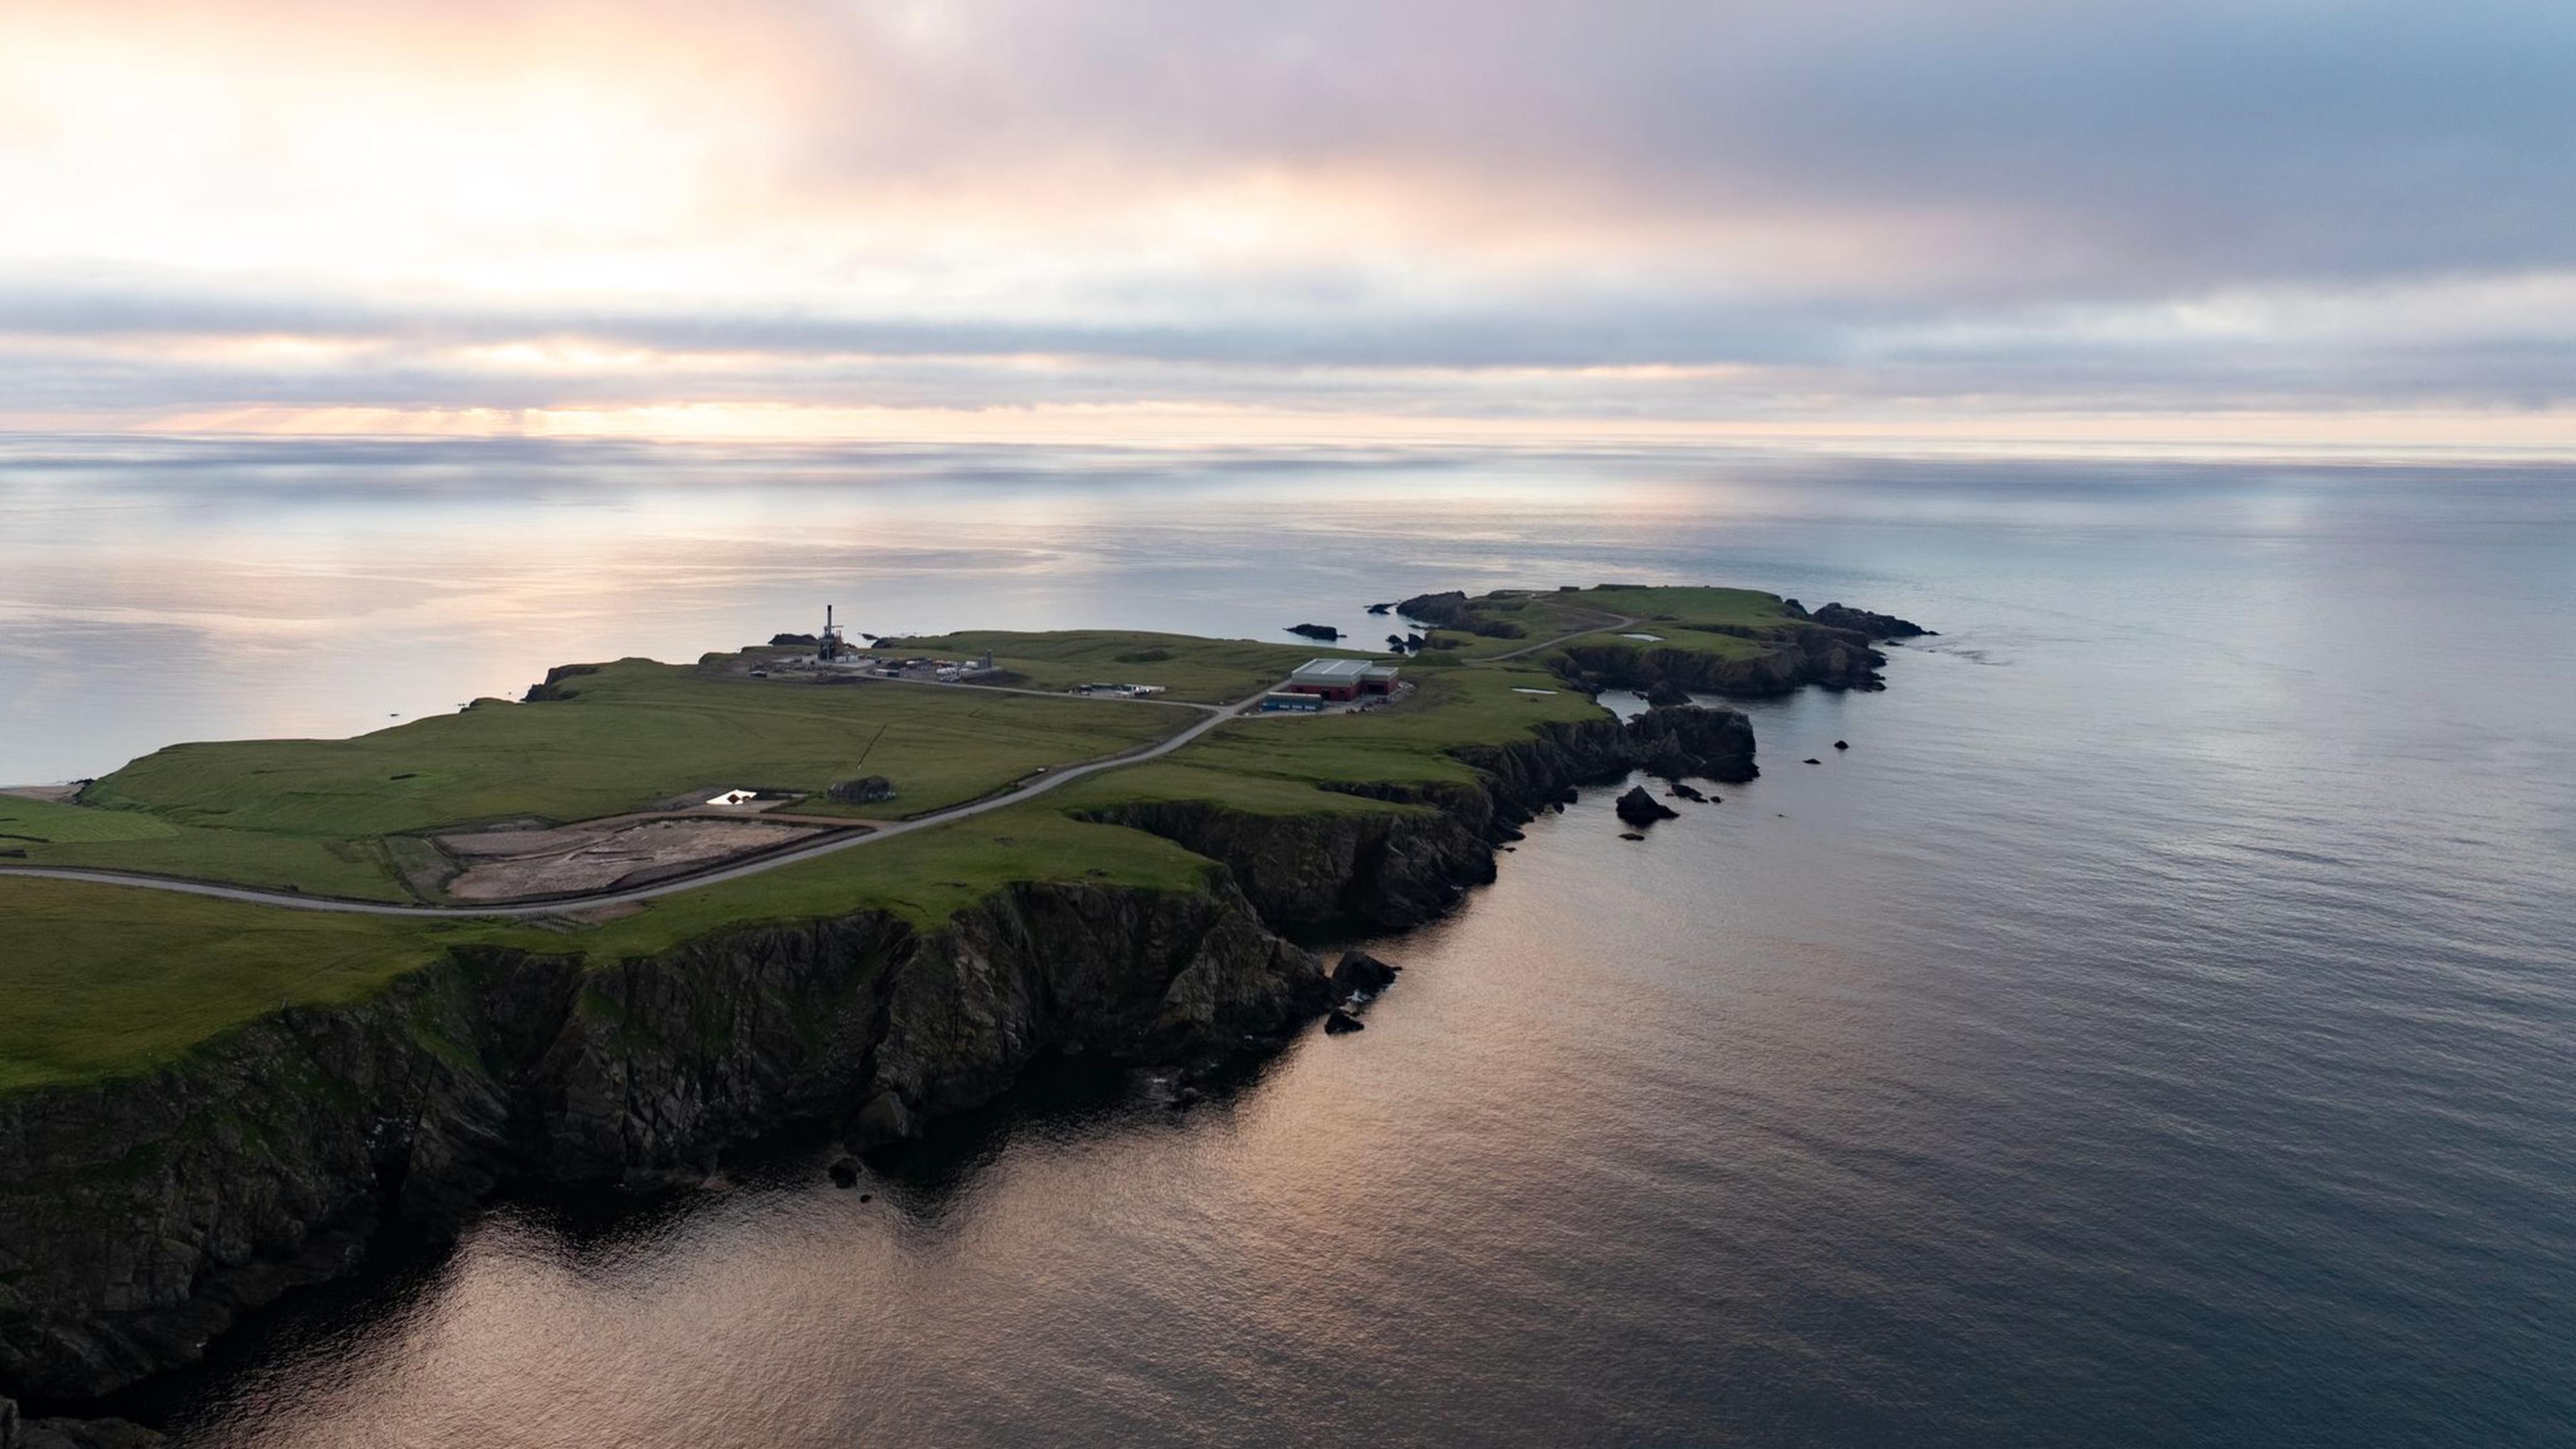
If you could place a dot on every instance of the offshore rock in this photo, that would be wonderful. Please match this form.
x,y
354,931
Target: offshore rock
x,y
1361,974
1324,632
1338,1022
1639,808
1665,692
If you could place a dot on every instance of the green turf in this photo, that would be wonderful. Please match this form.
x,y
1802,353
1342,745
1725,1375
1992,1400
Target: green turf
x,y
634,733
96,980
38,822
1741,607
72,835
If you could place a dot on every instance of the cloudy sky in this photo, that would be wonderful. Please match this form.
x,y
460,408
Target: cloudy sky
x,y
2287,219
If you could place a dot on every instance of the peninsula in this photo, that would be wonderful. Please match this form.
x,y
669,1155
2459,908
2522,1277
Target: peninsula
x,y
260,1000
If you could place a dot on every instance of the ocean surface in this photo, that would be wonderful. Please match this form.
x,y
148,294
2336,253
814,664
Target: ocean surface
x,y
2156,1029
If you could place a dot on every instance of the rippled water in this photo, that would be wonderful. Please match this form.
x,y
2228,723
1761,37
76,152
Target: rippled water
x,y
2155,1029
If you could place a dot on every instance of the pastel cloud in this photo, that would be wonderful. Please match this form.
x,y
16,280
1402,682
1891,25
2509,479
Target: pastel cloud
x,y
1693,212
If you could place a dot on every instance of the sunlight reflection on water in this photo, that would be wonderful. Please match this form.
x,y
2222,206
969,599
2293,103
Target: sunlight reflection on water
x,y
2151,1031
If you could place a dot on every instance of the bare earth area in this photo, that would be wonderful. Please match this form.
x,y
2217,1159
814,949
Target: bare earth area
x,y
503,865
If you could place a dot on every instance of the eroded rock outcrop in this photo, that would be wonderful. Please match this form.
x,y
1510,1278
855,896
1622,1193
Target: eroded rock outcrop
x,y
1867,624
1454,610
1779,663
552,687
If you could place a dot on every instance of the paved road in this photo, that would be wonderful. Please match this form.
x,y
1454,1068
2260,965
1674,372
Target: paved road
x,y
1216,715
1609,621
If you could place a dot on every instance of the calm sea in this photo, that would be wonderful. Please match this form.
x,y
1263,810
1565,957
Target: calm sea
x,y
2155,1030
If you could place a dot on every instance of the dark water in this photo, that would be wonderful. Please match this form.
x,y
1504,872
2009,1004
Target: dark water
x,y
2155,1030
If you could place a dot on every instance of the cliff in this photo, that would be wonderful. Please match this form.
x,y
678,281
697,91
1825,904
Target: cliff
x,y
138,1217
1786,659
1454,610
1348,871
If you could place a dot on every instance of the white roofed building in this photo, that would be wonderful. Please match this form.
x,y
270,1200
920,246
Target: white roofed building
x,y
1342,679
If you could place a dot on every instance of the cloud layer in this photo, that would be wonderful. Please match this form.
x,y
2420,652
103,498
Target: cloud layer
x,y
1642,212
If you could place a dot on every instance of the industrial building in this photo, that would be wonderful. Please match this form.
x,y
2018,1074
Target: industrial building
x,y
1291,700
1342,680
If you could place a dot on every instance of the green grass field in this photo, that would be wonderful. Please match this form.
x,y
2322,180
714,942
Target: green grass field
x,y
100,980
316,814
73,835
632,734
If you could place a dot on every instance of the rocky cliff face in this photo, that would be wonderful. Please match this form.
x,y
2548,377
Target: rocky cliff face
x,y
1454,610
1862,621
138,1217
1807,654
1374,870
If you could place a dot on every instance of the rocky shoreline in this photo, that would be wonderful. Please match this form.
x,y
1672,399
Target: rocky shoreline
x,y
138,1218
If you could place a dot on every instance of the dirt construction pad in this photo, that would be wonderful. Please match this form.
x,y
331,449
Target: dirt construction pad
x,y
504,865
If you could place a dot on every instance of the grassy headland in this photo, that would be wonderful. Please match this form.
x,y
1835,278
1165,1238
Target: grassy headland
x,y
100,980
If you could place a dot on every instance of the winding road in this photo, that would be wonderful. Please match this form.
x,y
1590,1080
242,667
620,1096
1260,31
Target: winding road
x,y
1217,714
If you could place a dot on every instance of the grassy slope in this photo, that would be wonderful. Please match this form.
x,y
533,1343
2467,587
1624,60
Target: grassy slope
x,y
633,733
97,980
52,834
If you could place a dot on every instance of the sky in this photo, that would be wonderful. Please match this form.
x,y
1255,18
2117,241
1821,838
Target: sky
x,y
2242,221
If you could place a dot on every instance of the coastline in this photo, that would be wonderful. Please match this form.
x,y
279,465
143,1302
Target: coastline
x,y
268,1158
